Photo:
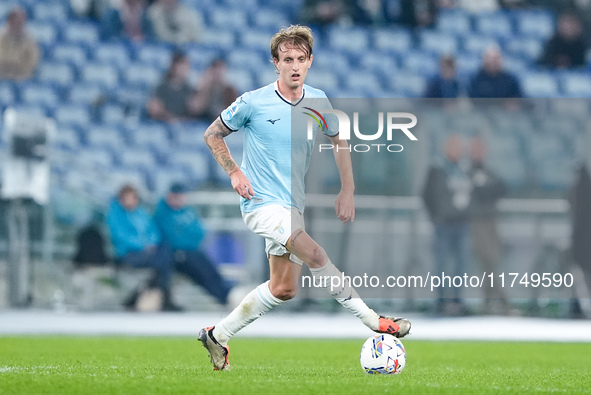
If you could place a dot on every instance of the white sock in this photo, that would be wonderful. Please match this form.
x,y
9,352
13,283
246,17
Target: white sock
x,y
346,295
254,305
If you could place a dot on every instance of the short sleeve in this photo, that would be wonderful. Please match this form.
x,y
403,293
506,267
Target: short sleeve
x,y
238,113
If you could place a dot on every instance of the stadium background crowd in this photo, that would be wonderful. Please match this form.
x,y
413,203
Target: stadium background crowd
x,y
132,84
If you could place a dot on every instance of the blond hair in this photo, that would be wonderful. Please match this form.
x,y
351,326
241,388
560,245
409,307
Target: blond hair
x,y
294,36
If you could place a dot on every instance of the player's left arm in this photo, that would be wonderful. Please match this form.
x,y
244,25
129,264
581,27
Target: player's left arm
x,y
345,203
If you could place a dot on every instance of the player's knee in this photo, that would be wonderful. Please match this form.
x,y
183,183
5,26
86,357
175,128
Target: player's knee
x,y
284,291
318,257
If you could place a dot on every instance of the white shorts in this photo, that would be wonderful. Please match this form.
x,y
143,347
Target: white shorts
x,y
276,224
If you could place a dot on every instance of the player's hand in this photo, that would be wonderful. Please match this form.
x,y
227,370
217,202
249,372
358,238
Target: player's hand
x,y
241,185
345,207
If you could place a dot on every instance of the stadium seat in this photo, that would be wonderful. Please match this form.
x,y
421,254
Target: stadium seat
x,y
268,75
67,138
201,57
51,11
103,75
422,63
398,40
191,135
55,73
96,157
33,94
219,38
241,79
454,21
576,84
158,56
71,53
150,135
45,33
247,59
330,60
515,65
539,84
229,18
81,32
467,64
441,43
351,39
268,18
380,63
118,177
105,137
86,94
364,82
7,96
164,177
138,158
142,76
255,39
113,54
112,114
323,79
537,24
72,115
5,7
409,83
196,164
478,44
496,24
529,47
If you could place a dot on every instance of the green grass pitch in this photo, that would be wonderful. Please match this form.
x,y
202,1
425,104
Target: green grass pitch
x,y
114,365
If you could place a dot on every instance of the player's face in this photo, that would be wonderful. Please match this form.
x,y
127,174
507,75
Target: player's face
x,y
293,65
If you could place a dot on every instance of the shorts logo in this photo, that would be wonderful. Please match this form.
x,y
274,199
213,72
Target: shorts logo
x,y
279,229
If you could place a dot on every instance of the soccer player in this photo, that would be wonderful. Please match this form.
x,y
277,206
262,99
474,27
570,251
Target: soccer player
x,y
271,184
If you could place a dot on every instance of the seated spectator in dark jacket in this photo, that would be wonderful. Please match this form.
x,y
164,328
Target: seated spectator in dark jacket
x,y
491,81
322,13
214,92
182,230
171,101
138,243
567,48
445,85
129,20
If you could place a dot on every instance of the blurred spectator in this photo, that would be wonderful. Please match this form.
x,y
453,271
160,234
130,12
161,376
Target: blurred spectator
x,y
214,92
175,23
418,13
491,81
129,20
138,243
446,195
90,8
487,246
171,100
19,52
324,12
182,230
567,48
446,84
479,6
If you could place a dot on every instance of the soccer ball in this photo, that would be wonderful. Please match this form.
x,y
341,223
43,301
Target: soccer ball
x,y
383,354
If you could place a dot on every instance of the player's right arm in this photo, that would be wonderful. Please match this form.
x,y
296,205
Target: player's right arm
x,y
214,138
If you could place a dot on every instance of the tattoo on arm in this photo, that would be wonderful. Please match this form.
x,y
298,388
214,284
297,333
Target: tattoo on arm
x,y
293,239
214,138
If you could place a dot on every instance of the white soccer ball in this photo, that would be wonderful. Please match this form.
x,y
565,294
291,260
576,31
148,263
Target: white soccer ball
x,y
383,354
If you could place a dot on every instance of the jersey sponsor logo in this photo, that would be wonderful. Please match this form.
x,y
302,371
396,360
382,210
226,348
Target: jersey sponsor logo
x,y
272,121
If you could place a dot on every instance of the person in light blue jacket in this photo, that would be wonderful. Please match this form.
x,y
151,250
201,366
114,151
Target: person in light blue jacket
x,y
138,243
181,229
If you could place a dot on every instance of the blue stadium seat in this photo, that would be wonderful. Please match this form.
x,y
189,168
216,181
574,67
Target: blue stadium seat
x,y
114,54
377,62
201,57
81,32
268,18
164,177
422,63
478,44
73,115
247,59
256,39
5,7
241,79
50,11
71,53
323,79
454,21
7,96
45,33
138,158
150,135
142,75
537,24
190,134
539,84
195,162
349,39
96,157
120,176
409,83
467,64
268,75
55,73
112,114
441,43
392,40
363,82
329,59
33,94
525,46
30,109
107,137
515,65
86,94
103,75
229,18
155,55
576,84
496,24
67,138
220,38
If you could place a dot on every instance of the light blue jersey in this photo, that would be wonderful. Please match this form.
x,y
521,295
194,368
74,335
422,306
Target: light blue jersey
x,y
275,160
